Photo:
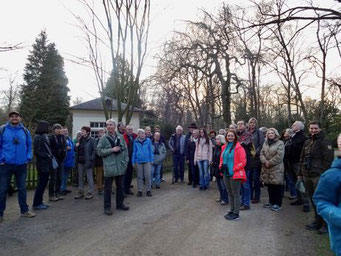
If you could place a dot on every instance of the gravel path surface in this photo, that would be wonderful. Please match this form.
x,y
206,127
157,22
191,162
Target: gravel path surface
x,y
177,220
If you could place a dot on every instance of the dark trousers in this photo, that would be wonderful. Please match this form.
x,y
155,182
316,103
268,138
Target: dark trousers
x,y
128,177
108,189
255,183
20,173
194,171
43,178
190,175
275,194
178,167
56,179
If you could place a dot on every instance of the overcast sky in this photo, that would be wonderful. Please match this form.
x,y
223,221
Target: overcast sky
x,y
21,23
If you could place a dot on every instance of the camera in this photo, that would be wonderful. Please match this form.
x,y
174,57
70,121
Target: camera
x,y
307,162
16,141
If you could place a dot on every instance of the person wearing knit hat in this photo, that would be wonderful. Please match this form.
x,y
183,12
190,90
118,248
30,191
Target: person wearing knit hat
x,y
327,198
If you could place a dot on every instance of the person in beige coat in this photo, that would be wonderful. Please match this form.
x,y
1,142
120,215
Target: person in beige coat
x,y
272,174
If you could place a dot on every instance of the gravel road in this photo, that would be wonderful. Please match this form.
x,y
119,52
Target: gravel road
x,y
177,220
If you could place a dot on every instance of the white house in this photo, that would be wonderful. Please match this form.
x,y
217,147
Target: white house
x,y
91,114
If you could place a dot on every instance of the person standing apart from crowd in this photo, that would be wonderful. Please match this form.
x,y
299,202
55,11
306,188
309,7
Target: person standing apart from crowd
x,y
143,158
15,154
223,198
232,163
316,157
191,128
255,163
272,174
86,155
327,198
245,139
99,164
69,162
113,150
129,138
190,151
58,147
43,156
176,144
203,157
159,150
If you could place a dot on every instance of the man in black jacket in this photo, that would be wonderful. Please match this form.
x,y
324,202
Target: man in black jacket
x,y
191,128
316,157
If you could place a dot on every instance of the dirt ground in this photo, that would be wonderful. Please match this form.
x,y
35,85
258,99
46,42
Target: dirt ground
x,y
177,220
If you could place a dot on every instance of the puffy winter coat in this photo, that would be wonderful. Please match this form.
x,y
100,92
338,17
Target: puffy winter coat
x,y
114,164
327,199
203,150
274,154
142,152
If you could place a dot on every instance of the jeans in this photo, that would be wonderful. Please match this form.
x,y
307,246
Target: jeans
x,y
255,183
204,174
43,179
275,194
291,184
128,177
20,173
143,171
245,189
156,174
56,179
108,190
222,190
178,167
65,177
89,176
233,189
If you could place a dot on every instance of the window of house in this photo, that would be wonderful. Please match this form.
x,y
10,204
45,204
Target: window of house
x,y
95,126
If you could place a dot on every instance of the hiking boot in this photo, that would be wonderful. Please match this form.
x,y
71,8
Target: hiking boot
x,y
139,194
255,201
79,195
89,196
306,208
129,192
244,208
53,199
313,226
28,214
107,212
233,216
122,208
228,214
268,205
149,193
60,197
40,207
275,208
218,200
296,203
64,193
223,203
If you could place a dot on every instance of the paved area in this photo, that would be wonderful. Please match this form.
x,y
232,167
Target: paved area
x,y
177,220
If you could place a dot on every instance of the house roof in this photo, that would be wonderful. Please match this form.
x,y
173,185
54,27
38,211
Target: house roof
x,y
96,104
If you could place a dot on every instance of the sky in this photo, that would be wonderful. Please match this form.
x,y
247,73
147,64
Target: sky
x,y
22,24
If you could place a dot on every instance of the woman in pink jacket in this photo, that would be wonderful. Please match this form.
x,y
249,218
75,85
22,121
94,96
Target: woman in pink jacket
x,y
232,162
203,157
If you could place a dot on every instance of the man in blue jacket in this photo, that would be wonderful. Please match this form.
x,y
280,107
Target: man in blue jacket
x,y
15,154
327,198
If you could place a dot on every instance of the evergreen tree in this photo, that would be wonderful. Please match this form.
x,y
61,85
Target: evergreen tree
x,y
44,94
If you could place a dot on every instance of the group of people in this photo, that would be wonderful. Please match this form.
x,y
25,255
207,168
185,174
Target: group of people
x,y
242,158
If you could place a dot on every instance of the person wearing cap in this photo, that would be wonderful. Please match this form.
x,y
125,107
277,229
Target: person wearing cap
x,y
327,199
190,163
15,154
86,155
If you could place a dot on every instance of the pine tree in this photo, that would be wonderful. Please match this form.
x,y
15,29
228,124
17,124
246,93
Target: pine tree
x,y
44,94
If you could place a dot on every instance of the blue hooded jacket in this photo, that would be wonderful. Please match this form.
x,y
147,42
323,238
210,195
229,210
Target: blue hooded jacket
x,y
327,199
142,152
15,145
70,155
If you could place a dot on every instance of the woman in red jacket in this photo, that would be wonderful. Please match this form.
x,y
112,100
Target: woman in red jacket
x,y
232,162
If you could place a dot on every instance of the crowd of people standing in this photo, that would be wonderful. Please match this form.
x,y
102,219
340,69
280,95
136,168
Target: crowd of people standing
x,y
242,158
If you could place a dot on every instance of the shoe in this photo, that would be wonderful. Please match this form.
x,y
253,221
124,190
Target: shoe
x,y
40,207
173,182
204,188
268,205
189,183
255,201
157,187
163,180
292,197
223,203
296,203
89,196
131,186
63,193
28,214
306,208
244,208
275,208
53,199
139,194
322,231
68,191
107,212
218,200
122,207
113,192
313,226
194,186
226,216
100,192
149,193
1,219
60,197
201,188
129,192
233,216
79,195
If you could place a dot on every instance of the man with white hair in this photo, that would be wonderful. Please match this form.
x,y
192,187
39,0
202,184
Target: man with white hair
x,y
293,154
176,144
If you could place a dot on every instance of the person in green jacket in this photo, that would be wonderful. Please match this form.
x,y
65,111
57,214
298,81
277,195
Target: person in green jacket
x,y
113,150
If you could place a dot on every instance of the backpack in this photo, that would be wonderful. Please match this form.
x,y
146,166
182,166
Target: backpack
x,y
3,128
